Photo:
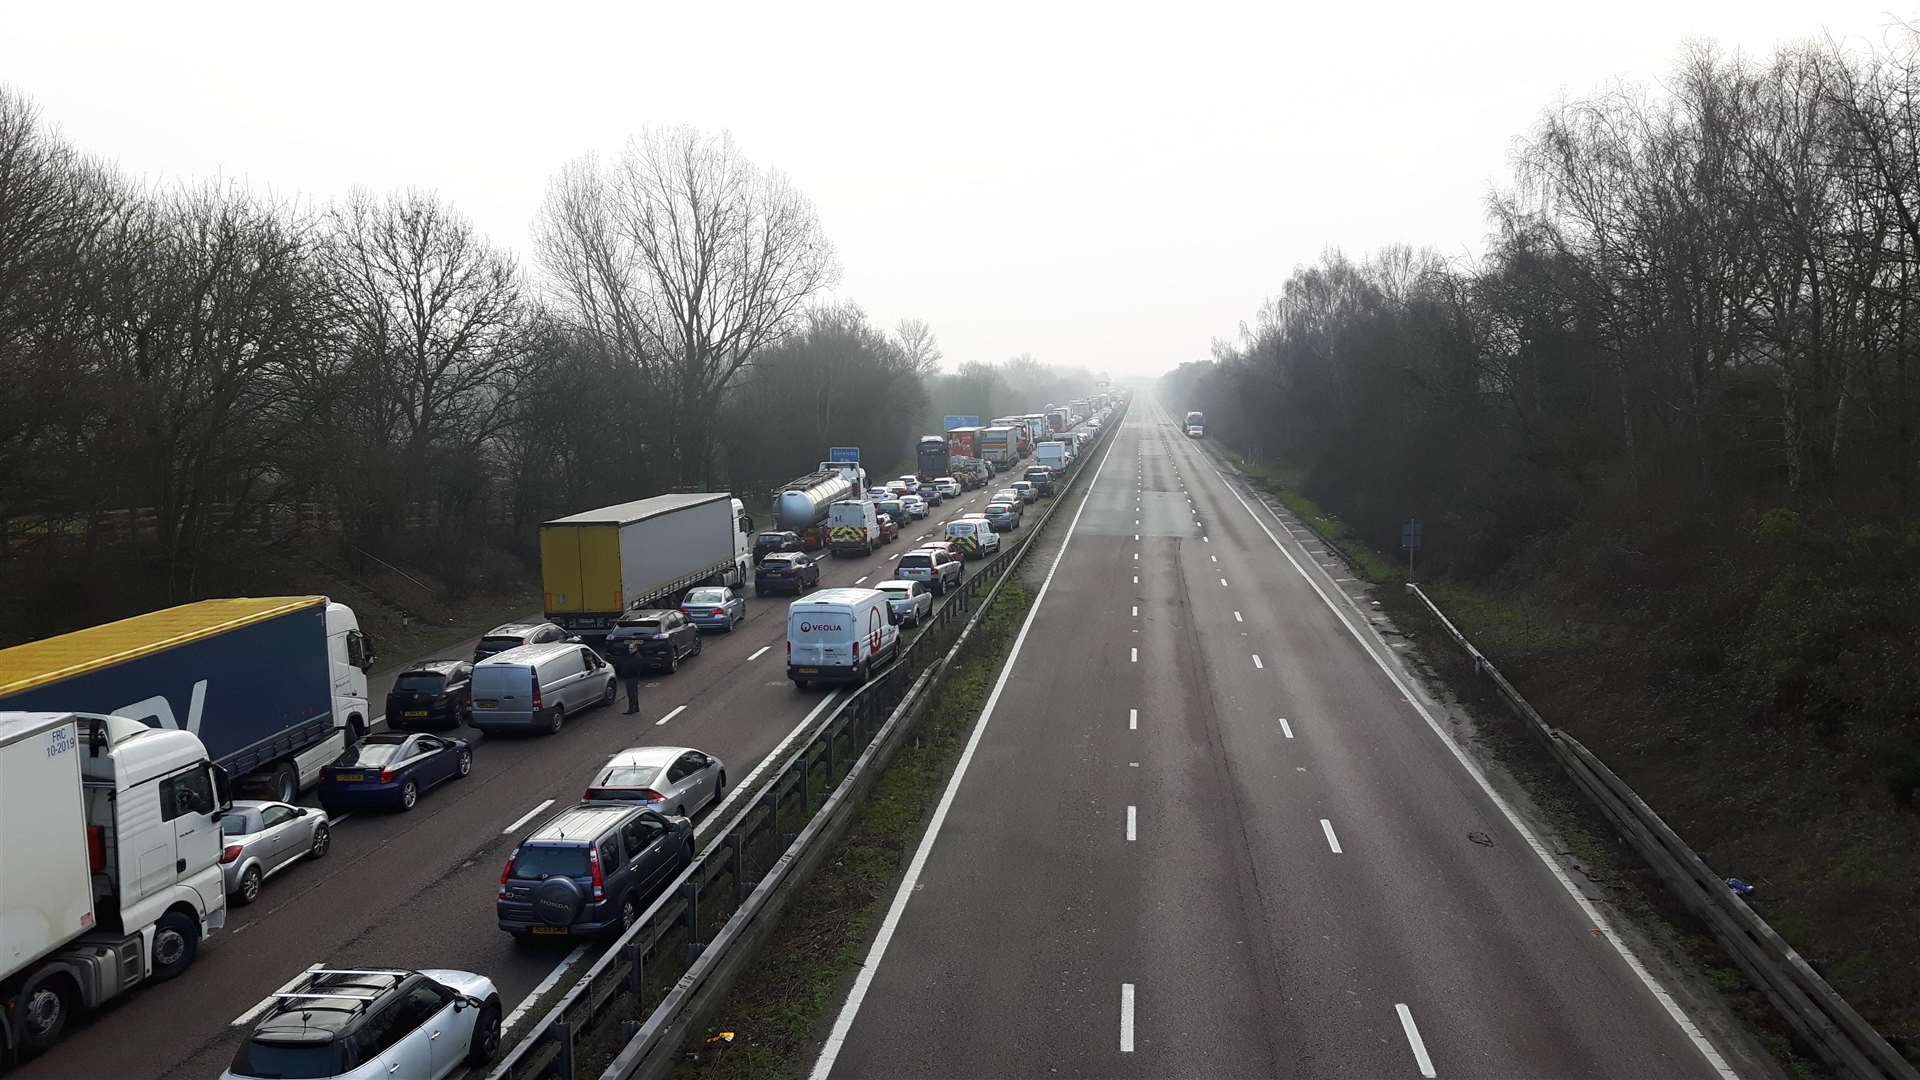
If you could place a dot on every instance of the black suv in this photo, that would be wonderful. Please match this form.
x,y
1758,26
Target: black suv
x,y
664,635
374,1022
767,543
431,694
1041,478
593,867
789,570
513,635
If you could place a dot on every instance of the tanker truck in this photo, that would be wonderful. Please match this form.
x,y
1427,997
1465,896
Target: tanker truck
x,y
803,503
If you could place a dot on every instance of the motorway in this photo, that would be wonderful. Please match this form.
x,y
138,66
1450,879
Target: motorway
x,y
1206,826
417,889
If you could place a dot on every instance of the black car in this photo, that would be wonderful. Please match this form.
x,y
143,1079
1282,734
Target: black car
x,y
665,637
591,868
513,635
435,694
390,769
1041,478
767,543
784,571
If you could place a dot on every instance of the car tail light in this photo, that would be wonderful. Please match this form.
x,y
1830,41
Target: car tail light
x,y
386,776
536,693
652,796
718,611
231,853
505,873
789,652
856,651
97,848
599,879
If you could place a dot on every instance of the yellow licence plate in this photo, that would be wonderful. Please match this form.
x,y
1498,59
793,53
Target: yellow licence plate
x,y
414,712
350,777
809,671
549,929
485,703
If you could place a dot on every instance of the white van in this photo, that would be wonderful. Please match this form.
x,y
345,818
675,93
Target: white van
x,y
853,527
840,635
975,537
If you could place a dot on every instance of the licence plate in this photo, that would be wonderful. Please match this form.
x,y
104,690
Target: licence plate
x,y
809,671
350,777
414,712
550,929
485,703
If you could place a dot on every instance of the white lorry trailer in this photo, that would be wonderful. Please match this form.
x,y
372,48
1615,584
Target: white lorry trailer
x,y
109,865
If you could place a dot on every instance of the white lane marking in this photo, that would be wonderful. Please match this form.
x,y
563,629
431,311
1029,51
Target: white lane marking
x,y
1136,579
1133,719
676,712
524,818
1136,611
533,997
1286,728
1133,819
861,580
1419,1045
823,1065
1206,539
1215,558
761,651
893,556
1256,661
1595,919
338,818
1237,618
1332,840
1136,537
1136,555
1136,654
1223,583
266,1003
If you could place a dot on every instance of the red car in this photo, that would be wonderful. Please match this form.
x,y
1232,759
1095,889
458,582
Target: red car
x,y
889,532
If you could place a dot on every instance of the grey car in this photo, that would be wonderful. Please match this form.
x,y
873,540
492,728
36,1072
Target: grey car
x,y
263,838
912,601
1003,516
670,779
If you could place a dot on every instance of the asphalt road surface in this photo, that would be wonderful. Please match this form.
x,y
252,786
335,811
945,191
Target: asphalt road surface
x,y
417,889
1205,830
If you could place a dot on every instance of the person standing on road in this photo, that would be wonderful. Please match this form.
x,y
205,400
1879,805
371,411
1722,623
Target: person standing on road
x,y
627,665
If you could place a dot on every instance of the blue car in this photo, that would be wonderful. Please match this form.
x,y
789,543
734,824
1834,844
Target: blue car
x,y
391,769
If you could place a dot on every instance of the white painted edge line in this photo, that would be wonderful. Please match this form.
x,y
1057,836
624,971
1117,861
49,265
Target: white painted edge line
x,y
1133,719
1126,1018
1332,840
524,818
676,712
1420,1057
759,652
533,997
1133,822
266,1003
1257,665
718,814
1597,920
823,1065
1286,728
338,818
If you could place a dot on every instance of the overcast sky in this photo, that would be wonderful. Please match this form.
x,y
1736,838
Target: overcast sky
x,y
1102,184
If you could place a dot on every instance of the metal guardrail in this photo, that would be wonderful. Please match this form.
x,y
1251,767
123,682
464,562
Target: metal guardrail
x,y
1817,1012
682,955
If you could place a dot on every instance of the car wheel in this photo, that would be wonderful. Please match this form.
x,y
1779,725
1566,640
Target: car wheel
x,y
629,912
699,643
486,1035
249,888
556,719
673,660
409,795
44,1012
803,684
322,840
719,787
466,762
613,691
176,940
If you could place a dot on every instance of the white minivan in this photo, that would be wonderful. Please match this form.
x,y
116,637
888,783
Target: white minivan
x,y
840,635
975,537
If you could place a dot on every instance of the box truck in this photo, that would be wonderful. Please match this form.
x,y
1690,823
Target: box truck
x,y
274,686
963,442
1196,425
109,865
1054,455
596,566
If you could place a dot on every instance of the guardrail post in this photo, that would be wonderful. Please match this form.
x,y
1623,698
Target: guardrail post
x,y
637,973
562,1067
694,944
739,859
831,738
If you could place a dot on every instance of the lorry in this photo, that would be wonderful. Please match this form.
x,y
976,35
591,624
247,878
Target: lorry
x,y
1059,420
110,872
801,504
999,446
1023,435
963,442
933,456
597,566
275,687
1196,425
1054,454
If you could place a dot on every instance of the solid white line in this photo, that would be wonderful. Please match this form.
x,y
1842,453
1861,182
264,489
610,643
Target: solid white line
x,y
861,580
533,997
1133,719
757,653
1126,1018
1237,618
669,716
1332,841
524,818
1286,728
338,818
266,1003
844,1023
1595,919
1132,823
1256,661
1136,654
1420,1057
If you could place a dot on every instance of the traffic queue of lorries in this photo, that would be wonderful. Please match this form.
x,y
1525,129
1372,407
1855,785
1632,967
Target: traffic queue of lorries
x,y
121,745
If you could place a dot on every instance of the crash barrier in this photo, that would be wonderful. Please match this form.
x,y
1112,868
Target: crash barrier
x,y
1826,1024
677,961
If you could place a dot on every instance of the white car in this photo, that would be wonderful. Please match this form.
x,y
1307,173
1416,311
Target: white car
x,y
911,483
915,505
911,600
948,486
372,1024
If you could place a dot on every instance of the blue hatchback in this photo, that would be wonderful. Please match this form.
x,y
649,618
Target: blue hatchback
x,y
392,769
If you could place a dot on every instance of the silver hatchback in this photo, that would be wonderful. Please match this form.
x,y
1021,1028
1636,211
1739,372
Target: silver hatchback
x,y
263,838
670,779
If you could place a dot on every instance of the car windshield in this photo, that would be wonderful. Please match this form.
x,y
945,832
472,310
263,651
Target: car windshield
x,y
431,682
642,626
707,596
290,1061
369,753
537,863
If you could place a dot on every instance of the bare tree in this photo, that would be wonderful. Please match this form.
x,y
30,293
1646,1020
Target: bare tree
x,y
922,348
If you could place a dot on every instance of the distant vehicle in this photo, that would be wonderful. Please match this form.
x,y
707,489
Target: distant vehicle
x,y
1003,515
932,494
590,869
666,779
889,532
390,770
87,909
962,442
664,637
435,694
513,635
840,635
912,601
894,508
766,543
999,446
374,1023
933,455
785,571
1041,478
1014,497
263,838
597,566
911,483
273,686
1196,425
975,535
945,545
1056,454
948,486
937,568
916,506
853,527
714,607
536,687
1028,491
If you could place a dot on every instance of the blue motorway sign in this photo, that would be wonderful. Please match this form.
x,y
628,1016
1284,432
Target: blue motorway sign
x,y
843,453
962,421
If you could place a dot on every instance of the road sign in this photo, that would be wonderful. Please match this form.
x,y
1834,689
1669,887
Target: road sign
x,y
961,421
844,453
1410,534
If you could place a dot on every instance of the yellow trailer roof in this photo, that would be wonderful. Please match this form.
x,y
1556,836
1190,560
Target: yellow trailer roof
x,y
38,663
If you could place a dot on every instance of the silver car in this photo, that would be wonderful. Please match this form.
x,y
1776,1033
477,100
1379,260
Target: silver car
x,y
669,779
915,505
1029,492
912,601
264,838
